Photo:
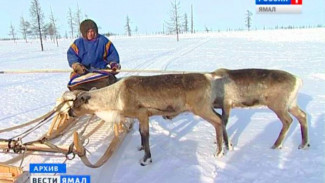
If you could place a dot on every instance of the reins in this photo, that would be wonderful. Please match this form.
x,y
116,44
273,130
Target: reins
x,y
40,120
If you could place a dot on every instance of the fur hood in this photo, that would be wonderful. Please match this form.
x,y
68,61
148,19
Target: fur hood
x,y
86,25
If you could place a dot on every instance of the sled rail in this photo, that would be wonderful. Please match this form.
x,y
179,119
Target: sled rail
x,y
16,147
120,131
107,70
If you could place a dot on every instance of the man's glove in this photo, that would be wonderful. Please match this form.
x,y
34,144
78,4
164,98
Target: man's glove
x,y
79,68
115,66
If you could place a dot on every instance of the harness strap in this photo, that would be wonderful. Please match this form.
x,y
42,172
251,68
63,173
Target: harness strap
x,y
118,138
78,143
44,117
108,153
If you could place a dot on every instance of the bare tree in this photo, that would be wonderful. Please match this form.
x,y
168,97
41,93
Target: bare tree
x,y
70,22
174,22
248,19
48,31
192,25
38,18
127,26
66,35
53,28
12,32
207,29
24,28
185,23
77,19
163,31
136,29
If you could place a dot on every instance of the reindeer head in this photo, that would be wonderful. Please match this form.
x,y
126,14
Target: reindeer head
x,y
80,100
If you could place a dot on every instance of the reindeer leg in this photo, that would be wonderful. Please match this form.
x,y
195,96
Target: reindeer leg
x,y
286,120
219,132
144,132
142,143
301,117
226,141
212,117
225,117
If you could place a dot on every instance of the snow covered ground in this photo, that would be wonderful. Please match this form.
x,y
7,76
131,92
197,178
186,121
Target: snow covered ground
x,y
183,149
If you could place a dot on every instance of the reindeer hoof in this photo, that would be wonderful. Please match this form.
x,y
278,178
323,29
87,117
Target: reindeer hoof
x,y
145,162
304,146
230,147
219,154
168,117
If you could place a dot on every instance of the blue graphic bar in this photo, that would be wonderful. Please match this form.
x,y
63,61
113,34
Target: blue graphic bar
x,y
47,168
273,2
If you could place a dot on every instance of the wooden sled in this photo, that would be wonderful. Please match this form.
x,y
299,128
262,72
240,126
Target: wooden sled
x,y
120,131
9,173
63,125
61,120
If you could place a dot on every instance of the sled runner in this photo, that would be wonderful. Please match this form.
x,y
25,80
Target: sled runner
x,y
66,136
10,173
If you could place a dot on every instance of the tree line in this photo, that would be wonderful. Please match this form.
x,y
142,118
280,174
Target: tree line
x,y
178,23
38,27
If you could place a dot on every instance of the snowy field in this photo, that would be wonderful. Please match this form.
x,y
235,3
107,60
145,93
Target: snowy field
x,y
183,149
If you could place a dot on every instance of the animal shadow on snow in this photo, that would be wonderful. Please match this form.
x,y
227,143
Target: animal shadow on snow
x,y
175,130
174,126
165,136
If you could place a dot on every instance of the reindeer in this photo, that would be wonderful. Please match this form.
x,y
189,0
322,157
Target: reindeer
x,y
274,89
143,96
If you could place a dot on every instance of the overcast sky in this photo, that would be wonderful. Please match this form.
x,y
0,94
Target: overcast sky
x,y
149,15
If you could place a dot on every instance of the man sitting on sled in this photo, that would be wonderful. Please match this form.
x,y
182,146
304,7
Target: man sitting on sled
x,y
90,54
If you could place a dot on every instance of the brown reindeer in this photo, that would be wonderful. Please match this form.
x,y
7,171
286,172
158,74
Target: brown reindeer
x,y
144,96
274,89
